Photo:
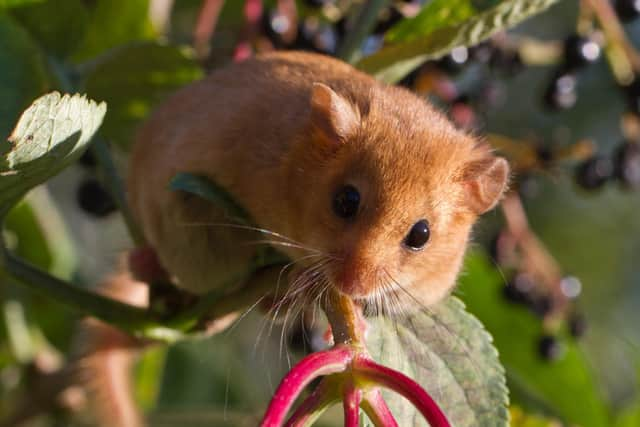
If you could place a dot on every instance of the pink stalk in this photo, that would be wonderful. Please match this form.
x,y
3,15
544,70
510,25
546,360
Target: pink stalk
x,y
351,404
310,408
377,410
252,14
403,385
206,24
316,364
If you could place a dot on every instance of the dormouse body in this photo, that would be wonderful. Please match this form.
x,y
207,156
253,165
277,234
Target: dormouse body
x,y
363,182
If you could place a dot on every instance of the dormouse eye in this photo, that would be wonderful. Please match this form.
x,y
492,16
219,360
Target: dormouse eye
x,y
346,202
418,236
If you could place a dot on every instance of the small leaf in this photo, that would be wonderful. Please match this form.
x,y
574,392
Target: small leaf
x,y
396,60
50,135
202,186
435,14
134,79
450,354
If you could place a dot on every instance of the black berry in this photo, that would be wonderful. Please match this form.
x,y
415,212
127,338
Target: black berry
x,y
94,199
276,27
627,165
316,37
594,172
317,3
632,93
519,289
561,92
506,62
541,305
627,10
577,325
388,18
580,51
455,60
549,348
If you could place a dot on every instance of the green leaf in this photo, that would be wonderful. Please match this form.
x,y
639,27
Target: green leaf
x,y
57,25
135,79
16,3
396,60
114,23
448,352
535,384
22,72
435,14
50,135
203,187
630,416
27,238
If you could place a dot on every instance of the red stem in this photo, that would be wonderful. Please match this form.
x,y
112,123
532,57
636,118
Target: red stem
x,y
316,364
252,13
305,412
351,404
206,24
403,385
377,410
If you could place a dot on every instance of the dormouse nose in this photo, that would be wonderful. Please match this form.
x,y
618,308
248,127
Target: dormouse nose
x,y
357,275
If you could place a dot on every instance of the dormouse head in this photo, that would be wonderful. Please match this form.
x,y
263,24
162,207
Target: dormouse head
x,y
388,190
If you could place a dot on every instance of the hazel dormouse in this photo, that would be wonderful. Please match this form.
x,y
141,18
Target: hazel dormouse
x,y
364,184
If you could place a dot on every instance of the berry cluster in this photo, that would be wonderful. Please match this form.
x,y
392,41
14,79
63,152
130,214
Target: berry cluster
x,y
578,53
623,167
523,290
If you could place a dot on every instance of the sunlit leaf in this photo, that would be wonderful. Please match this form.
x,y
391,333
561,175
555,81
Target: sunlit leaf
x,y
433,15
50,135
396,60
450,354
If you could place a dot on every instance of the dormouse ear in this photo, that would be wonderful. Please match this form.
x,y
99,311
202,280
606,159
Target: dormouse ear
x,y
332,115
485,181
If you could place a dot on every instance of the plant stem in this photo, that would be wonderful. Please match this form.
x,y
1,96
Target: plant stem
x,y
314,405
377,410
369,370
316,364
367,16
345,318
127,317
351,404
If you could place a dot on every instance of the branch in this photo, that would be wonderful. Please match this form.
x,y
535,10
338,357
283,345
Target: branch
x,y
377,410
351,404
369,370
314,405
316,364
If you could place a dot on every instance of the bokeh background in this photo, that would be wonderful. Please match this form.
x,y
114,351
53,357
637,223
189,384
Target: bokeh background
x,y
132,53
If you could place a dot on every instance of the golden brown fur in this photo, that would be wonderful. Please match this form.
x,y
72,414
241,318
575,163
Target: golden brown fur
x,y
282,145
